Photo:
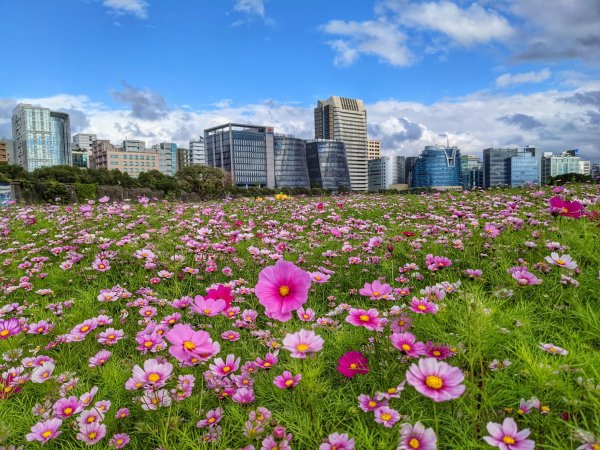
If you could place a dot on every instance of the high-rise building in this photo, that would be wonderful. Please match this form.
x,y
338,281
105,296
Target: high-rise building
x,y
42,137
555,165
469,167
373,149
511,166
290,161
327,164
524,169
408,168
105,156
245,151
595,170
438,167
182,158
496,166
167,157
6,151
585,167
345,119
133,145
386,172
196,154
84,141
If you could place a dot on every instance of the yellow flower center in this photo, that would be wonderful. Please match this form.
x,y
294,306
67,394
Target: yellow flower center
x,y
406,347
153,377
302,347
353,366
85,328
305,316
47,434
112,336
101,266
284,290
91,419
564,210
68,411
226,369
560,262
289,382
392,390
206,311
422,307
39,329
596,446
189,345
148,344
3,332
547,409
119,441
553,350
364,318
436,353
92,435
376,294
386,417
211,420
267,364
372,404
414,443
508,440
434,382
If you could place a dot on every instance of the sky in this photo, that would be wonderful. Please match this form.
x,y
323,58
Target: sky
x,y
476,74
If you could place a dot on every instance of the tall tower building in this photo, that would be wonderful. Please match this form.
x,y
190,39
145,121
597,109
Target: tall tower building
x,y
373,149
345,119
196,154
42,138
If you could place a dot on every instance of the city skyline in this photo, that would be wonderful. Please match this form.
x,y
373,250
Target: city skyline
x,y
481,74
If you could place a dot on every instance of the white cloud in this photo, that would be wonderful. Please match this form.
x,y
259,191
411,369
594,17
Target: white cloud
x,y
467,27
138,8
528,77
379,38
256,7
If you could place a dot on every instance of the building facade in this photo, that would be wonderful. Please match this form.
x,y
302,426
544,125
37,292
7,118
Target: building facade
x,y
133,145
328,165
469,165
585,167
6,151
84,141
496,166
290,161
438,167
196,154
524,169
106,156
373,149
556,165
245,151
167,157
345,119
385,172
42,137
80,158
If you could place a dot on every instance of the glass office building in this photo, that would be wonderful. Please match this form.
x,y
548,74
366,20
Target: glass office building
x,y
437,167
327,164
245,151
385,172
524,169
290,161
42,138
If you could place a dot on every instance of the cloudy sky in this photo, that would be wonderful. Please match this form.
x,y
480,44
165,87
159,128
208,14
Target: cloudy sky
x,y
478,73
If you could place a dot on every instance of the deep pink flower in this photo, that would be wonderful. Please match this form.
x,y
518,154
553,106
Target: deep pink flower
x,y
363,318
436,379
302,342
507,436
66,407
225,368
566,208
190,346
386,416
281,289
207,306
92,433
416,436
287,380
213,417
101,265
44,431
222,292
119,440
406,342
352,363
337,441
9,327
422,306
376,290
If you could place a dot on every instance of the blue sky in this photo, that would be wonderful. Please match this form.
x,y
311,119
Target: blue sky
x,y
486,73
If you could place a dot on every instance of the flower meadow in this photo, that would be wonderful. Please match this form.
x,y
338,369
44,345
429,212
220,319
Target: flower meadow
x,y
463,320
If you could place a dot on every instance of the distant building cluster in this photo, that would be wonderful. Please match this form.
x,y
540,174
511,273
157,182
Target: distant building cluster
x,y
340,157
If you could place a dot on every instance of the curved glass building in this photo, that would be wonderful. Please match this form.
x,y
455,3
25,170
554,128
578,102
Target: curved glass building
x,y
327,164
437,167
290,161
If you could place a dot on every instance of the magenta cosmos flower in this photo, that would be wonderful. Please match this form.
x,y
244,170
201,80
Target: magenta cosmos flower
x,y
9,327
365,318
281,289
407,343
337,441
507,436
44,431
376,290
190,346
436,379
413,437
302,342
565,208
352,363
287,380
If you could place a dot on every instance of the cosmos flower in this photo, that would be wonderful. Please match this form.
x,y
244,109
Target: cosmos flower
x,y
422,306
407,343
190,346
561,261
213,417
281,289
507,436
101,265
225,368
302,342
9,327
376,290
44,431
413,437
337,441
287,380
365,318
565,208
436,379
119,440
386,416
553,349
207,306
352,363
370,404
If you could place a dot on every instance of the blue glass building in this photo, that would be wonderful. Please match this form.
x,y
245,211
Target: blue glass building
x,y
290,161
437,167
327,164
524,169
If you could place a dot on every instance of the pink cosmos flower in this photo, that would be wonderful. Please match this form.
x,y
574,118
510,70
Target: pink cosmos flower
x,y
269,361
230,335
305,315
154,374
370,404
44,431
92,433
207,306
554,349
436,379
213,417
422,306
363,318
42,373
66,407
225,368
222,292
417,437
319,277
243,395
386,416
561,261
565,208
406,342
281,289
435,263
101,265
287,380
524,277
9,327
507,436
119,440
110,336
337,441
352,363
302,342
190,346
122,413
376,290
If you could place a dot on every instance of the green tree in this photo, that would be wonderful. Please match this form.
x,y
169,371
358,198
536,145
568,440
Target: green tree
x,y
203,180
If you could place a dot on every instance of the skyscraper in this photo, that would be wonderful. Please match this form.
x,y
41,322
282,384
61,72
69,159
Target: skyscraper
x,y
345,119
167,157
496,166
245,151
327,164
385,172
438,167
42,137
290,161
